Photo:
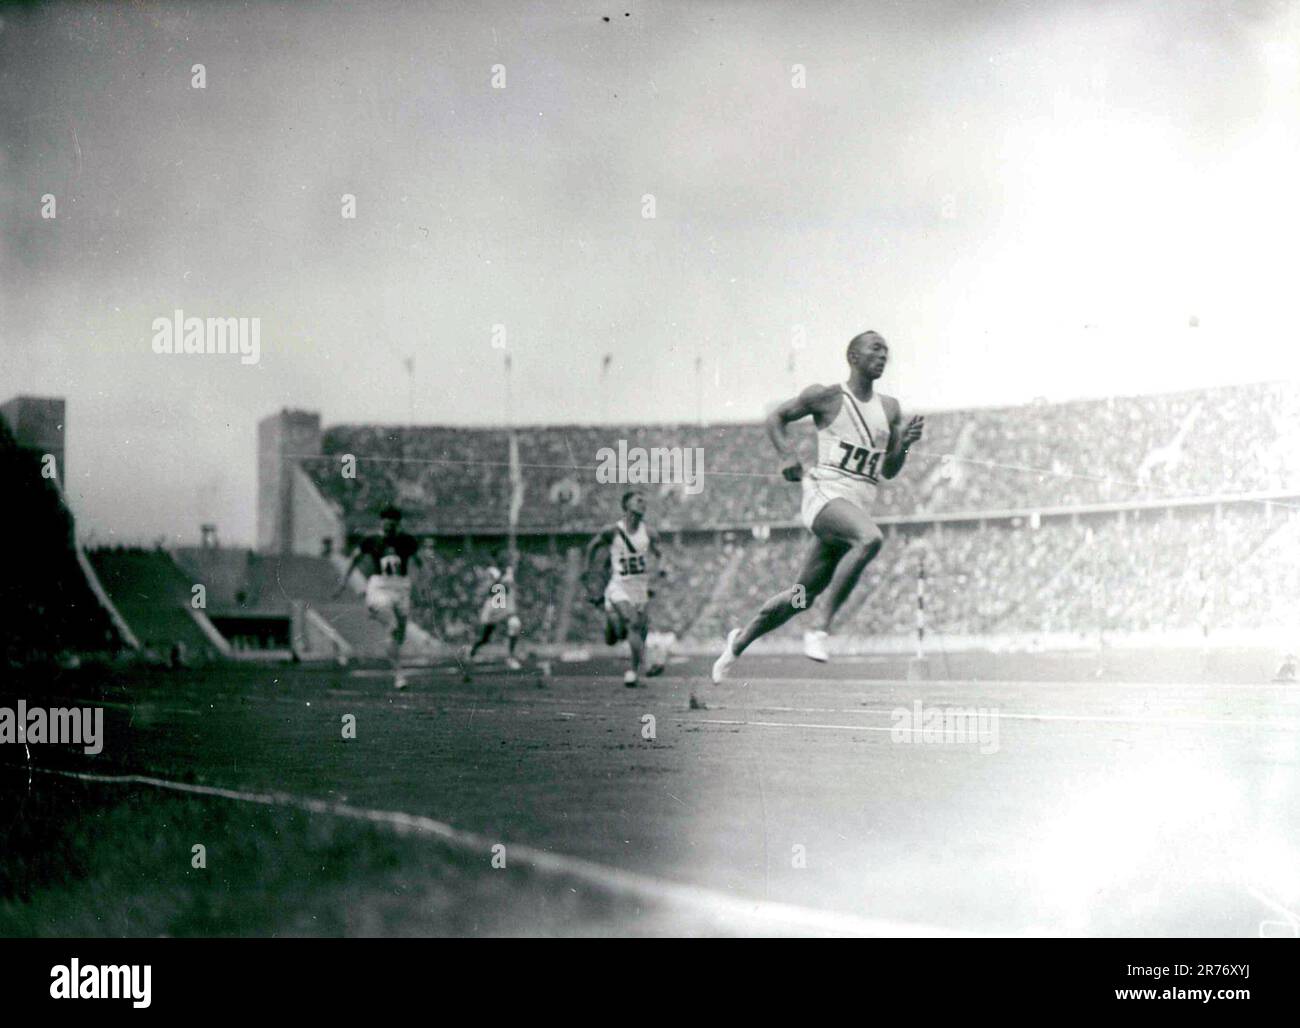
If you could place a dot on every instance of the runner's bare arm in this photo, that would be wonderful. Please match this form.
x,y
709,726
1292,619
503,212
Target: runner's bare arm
x,y
807,404
605,537
901,437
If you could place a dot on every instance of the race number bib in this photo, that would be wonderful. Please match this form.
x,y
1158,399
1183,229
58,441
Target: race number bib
x,y
633,564
861,460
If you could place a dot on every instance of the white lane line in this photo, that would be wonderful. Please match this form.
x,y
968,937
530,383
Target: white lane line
x,y
736,914
1099,719
786,724
1286,726
874,684
537,702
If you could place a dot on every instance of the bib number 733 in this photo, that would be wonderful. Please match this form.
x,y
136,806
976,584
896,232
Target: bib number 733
x,y
860,460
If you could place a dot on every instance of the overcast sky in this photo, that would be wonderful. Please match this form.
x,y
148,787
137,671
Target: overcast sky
x,y
1028,199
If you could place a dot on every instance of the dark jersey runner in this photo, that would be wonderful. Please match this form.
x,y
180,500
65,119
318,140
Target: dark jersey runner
x,y
389,554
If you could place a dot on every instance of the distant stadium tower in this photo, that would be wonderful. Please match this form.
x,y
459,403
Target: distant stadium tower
x,y
39,426
291,515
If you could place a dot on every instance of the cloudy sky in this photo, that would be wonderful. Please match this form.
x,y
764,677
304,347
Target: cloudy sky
x,y
1029,199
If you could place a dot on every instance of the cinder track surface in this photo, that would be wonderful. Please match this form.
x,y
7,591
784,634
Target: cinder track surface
x,y
1095,807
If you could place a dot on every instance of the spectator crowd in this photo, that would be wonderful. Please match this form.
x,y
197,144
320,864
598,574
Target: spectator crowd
x,y
1228,440
1012,566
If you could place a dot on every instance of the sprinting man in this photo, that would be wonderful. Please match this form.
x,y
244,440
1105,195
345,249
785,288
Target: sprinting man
x,y
860,438
499,607
387,557
626,597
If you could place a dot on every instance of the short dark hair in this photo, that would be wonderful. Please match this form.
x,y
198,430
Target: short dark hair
x,y
628,495
390,513
859,341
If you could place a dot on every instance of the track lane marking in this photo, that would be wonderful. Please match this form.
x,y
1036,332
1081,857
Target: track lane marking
x,y
1091,683
534,702
1288,726
791,724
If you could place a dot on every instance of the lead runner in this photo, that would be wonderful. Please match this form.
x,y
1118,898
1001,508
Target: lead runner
x,y
860,438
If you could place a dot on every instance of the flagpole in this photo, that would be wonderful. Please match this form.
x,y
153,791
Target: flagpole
x,y
605,362
509,394
512,456
699,389
409,364
410,386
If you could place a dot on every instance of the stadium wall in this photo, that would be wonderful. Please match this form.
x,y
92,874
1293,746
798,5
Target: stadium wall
x,y
316,526
282,440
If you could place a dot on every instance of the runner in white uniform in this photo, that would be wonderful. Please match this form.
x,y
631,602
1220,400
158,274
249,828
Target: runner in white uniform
x,y
629,552
626,598
499,608
860,439
850,451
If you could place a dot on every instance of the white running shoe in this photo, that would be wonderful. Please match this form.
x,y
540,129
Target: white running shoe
x,y
723,664
399,680
814,646
513,664
629,678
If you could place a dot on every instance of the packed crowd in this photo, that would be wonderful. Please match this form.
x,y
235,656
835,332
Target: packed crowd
x,y
447,598
1138,570
554,598
1204,568
1228,440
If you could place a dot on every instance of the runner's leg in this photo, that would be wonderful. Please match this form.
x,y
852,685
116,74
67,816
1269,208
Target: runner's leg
x,y
840,526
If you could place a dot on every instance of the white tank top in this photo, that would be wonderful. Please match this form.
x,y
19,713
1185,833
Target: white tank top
x,y
853,445
626,562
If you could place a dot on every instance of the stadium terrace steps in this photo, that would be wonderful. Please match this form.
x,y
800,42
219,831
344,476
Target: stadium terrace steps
x,y
153,595
297,577
367,636
363,634
246,582
262,582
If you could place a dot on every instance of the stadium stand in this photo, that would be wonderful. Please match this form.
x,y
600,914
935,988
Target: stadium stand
x,y
153,596
1149,514
270,604
1146,448
242,581
1156,514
